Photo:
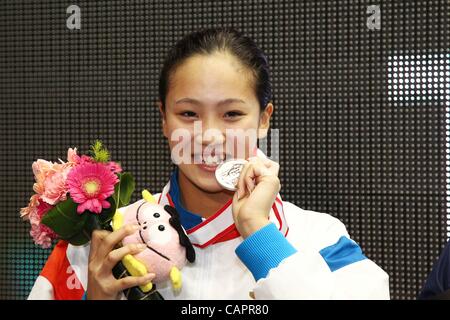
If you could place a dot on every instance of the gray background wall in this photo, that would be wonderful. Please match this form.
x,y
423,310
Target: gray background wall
x,y
348,147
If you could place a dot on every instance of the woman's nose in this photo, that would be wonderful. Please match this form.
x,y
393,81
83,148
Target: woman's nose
x,y
210,133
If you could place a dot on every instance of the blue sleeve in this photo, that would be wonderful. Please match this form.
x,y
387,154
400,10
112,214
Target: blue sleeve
x,y
264,250
341,254
84,297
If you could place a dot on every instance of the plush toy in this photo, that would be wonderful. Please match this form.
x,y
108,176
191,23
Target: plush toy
x,y
168,246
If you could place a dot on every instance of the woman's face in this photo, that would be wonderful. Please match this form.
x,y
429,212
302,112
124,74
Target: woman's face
x,y
212,113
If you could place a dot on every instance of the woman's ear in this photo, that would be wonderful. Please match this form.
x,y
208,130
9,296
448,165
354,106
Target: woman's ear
x,y
163,118
264,121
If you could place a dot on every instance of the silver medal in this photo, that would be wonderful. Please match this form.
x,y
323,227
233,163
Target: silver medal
x,y
228,172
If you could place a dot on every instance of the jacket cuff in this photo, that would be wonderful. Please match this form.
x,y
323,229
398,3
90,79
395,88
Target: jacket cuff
x,y
264,250
84,297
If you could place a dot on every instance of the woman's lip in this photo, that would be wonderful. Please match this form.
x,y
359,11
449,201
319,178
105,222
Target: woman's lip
x,y
207,168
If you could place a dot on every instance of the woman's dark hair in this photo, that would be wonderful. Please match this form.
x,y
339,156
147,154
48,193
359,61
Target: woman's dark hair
x,y
211,40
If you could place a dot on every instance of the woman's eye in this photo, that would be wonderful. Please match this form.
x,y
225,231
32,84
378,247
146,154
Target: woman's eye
x,y
188,114
233,114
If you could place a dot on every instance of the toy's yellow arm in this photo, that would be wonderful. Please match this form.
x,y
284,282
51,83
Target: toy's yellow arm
x,y
175,277
136,269
134,266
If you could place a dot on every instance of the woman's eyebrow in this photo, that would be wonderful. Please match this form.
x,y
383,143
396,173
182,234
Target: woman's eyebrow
x,y
199,103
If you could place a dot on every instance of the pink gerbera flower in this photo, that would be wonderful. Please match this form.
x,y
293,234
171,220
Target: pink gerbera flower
x,y
90,184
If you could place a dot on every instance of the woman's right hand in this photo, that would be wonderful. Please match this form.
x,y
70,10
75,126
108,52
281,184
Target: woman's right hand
x,y
102,285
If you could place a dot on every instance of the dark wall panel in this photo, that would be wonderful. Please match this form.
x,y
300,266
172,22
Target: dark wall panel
x,y
353,143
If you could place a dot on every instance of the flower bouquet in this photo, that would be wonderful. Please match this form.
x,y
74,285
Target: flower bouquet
x,y
74,198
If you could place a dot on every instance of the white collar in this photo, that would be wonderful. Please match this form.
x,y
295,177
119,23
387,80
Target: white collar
x,y
220,226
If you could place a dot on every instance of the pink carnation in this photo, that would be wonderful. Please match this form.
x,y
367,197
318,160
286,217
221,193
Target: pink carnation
x,y
41,234
72,155
31,208
82,159
51,177
55,186
90,184
115,167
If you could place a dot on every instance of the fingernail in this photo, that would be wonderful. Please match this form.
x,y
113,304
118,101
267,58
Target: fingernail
x,y
141,246
136,226
150,276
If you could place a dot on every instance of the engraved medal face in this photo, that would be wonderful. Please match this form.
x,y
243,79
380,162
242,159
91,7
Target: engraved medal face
x,y
227,173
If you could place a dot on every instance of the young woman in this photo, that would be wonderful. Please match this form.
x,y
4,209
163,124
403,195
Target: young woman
x,y
248,243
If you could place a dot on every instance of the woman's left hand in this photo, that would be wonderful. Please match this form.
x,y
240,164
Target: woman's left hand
x,y
257,189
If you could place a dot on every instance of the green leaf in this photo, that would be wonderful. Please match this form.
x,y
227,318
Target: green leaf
x,y
124,189
80,238
77,228
107,214
64,219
